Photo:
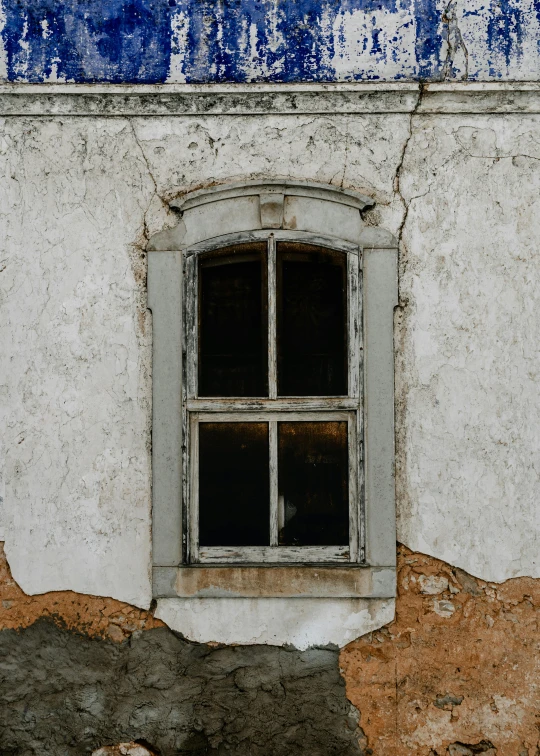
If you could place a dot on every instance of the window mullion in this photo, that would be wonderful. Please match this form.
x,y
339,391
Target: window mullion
x,y
354,326
272,345
273,442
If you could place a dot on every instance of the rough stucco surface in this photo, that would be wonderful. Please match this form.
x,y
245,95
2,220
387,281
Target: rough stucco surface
x,y
75,358
78,197
468,362
457,673
64,693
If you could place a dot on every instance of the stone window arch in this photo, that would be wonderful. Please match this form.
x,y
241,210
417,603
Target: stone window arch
x,y
278,234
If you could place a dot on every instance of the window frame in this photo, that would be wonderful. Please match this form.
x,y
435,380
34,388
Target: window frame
x,y
272,409
291,211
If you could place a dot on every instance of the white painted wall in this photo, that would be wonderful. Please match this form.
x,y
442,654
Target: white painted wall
x,y
76,198
468,346
75,369
301,622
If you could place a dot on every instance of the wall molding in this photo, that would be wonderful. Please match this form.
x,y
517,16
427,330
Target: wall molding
x,y
119,100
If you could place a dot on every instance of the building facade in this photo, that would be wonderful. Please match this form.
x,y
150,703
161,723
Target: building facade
x,y
398,139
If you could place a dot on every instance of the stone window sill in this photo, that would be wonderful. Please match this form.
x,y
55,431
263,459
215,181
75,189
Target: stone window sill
x,y
274,581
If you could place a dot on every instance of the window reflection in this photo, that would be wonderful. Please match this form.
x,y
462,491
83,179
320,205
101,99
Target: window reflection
x,y
313,484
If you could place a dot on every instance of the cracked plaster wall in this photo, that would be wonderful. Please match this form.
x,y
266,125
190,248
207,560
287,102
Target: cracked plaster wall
x,y
78,198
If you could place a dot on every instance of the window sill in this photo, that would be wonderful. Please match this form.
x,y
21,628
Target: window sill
x,y
274,581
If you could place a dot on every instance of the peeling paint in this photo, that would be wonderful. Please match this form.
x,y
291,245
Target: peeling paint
x,y
425,684
150,41
80,197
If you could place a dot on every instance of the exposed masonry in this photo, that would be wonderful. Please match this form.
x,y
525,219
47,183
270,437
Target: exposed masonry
x,y
78,612
456,674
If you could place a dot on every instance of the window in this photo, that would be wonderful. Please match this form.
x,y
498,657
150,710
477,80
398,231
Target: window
x,y
272,402
273,395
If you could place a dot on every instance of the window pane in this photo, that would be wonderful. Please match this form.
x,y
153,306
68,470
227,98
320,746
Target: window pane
x,y
234,488
312,321
313,484
233,340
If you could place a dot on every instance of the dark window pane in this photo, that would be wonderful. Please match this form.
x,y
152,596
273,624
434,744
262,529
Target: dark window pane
x,y
312,321
313,484
233,340
234,488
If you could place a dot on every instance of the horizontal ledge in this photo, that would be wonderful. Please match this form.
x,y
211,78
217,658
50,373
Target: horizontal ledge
x,y
288,415
259,99
272,405
274,581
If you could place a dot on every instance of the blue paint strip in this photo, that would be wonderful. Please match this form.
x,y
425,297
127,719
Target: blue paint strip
x,y
88,40
132,41
505,34
428,39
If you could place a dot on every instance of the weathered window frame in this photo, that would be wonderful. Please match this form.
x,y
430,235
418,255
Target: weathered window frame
x,y
289,211
273,409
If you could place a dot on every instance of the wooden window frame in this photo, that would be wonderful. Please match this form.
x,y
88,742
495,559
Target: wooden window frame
x,y
273,211
273,409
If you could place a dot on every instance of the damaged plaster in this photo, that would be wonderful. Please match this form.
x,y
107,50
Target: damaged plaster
x,y
174,696
455,674
79,198
191,41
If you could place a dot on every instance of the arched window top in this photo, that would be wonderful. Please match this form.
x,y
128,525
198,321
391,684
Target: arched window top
x,y
275,187
253,206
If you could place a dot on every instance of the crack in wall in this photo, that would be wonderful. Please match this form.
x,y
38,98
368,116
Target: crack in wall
x,y
156,193
454,43
397,178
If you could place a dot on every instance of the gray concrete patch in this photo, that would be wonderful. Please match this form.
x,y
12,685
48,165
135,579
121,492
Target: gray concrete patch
x,y
63,693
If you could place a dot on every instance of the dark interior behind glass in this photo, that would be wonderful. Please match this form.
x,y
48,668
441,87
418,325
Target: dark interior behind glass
x,y
313,483
234,488
233,340
311,321
234,457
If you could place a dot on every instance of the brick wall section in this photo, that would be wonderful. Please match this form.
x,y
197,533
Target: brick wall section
x,y
457,673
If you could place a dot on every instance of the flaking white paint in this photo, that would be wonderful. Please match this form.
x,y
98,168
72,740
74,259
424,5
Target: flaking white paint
x,y
300,622
468,355
363,41
77,196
